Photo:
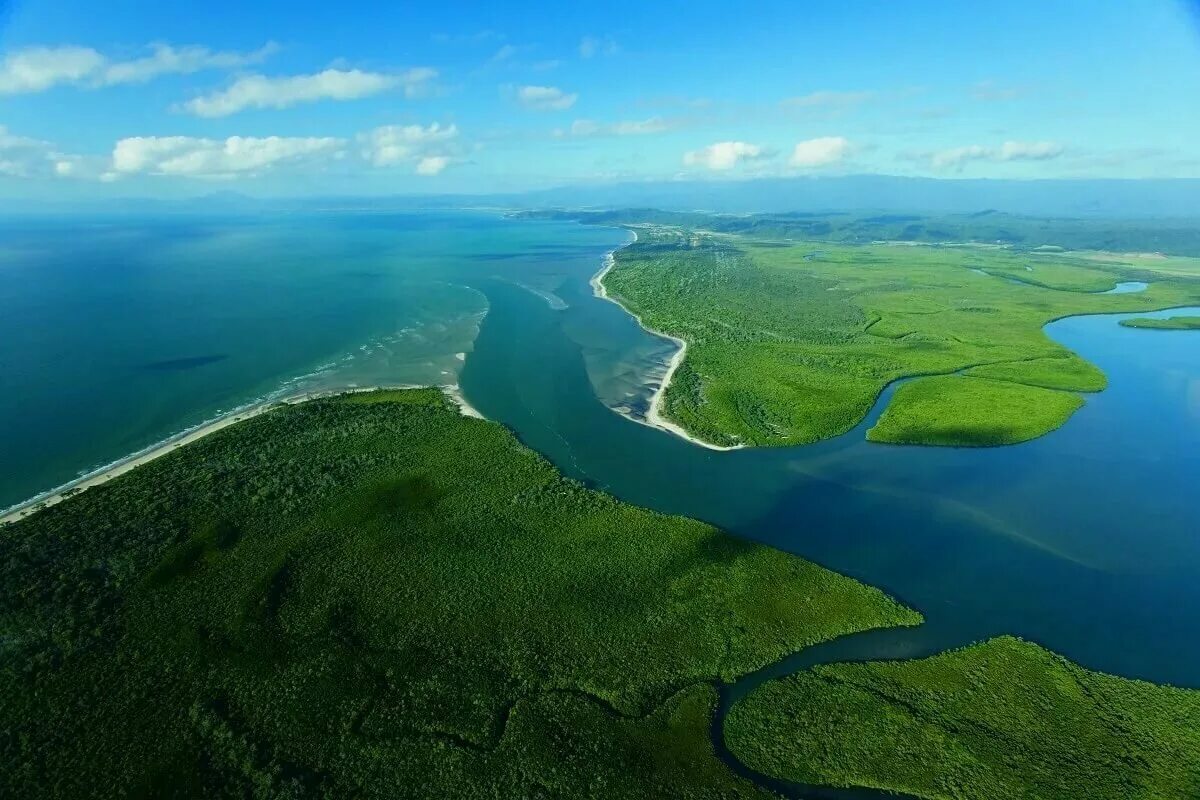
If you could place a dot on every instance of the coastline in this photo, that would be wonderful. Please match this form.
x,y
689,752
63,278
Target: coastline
x,y
119,467
654,417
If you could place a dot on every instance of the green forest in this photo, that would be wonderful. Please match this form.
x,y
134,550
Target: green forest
x,y
791,342
994,721
373,596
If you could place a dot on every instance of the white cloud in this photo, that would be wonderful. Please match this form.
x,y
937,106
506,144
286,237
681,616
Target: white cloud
x,y
259,91
587,127
38,68
591,46
828,100
958,157
183,60
35,69
218,158
545,98
640,127
1035,151
723,155
25,157
820,152
429,149
505,53
432,165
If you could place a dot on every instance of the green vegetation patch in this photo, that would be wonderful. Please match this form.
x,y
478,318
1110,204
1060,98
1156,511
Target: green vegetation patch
x,y
1069,374
994,721
973,412
375,596
1169,324
792,341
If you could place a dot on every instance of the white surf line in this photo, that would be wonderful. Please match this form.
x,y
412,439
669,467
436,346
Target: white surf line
x,y
119,467
654,417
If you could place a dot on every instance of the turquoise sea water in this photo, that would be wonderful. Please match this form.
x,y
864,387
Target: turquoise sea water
x,y
115,334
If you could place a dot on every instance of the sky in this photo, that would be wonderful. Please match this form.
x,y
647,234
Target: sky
x,y
290,98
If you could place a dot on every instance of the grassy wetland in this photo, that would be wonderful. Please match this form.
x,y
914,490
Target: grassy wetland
x,y
791,342
1169,324
1000,719
372,595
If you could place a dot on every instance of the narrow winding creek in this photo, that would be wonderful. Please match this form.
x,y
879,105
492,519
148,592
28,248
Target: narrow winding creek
x,y
1083,541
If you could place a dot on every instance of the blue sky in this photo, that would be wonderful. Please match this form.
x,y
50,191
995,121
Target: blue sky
x,y
279,98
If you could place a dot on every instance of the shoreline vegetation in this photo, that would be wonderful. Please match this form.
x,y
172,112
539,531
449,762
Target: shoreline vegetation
x,y
115,469
654,416
784,341
1169,324
372,593
995,720
947,410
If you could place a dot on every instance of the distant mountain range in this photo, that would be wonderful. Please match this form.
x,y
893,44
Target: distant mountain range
x,y
1177,198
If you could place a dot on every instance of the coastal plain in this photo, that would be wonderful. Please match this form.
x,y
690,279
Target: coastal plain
x,y
790,342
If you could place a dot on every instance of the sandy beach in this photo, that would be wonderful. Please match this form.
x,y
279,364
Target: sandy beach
x,y
118,468
654,417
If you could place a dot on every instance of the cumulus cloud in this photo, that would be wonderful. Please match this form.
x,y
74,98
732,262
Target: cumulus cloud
x,y
260,91
592,46
428,149
432,165
35,69
585,127
958,157
724,155
218,158
25,157
545,98
820,152
828,100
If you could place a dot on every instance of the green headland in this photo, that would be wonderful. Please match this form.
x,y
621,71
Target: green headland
x,y
374,596
791,340
1168,324
994,721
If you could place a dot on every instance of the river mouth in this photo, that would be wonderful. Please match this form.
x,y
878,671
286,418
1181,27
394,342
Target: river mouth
x,y
1080,540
